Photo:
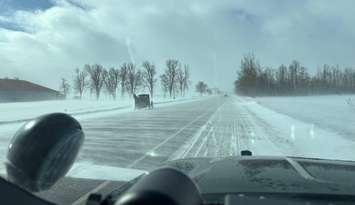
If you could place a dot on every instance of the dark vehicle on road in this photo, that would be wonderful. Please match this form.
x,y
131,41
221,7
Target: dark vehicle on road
x,y
44,149
142,101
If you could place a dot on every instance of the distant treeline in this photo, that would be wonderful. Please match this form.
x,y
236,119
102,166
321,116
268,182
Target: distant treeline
x,y
129,78
292,79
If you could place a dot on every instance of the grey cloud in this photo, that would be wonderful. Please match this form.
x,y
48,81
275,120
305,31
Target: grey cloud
x,y
209,35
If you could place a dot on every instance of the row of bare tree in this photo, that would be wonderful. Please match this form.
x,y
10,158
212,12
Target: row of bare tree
x,y
175,80
294,79
129,79
202,88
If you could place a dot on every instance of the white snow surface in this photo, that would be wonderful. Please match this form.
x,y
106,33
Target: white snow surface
x,y
245,123
300,126
87,170
334,112
12,112
317,127
27,110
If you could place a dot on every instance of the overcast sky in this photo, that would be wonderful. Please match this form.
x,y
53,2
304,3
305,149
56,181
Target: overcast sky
x,y
44,40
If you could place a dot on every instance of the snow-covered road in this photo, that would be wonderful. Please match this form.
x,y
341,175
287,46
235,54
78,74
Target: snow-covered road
x,y
145,138
210,127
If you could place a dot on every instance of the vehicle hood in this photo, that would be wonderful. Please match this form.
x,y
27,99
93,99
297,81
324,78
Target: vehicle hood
x,y
248,174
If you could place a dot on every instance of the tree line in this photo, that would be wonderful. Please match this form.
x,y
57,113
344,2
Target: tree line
x,y
292,79
202,88
128,78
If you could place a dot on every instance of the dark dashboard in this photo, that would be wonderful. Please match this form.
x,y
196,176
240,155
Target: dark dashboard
x,y
234,180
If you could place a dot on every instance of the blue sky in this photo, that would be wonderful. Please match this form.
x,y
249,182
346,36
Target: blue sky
x,y
51,38
7,6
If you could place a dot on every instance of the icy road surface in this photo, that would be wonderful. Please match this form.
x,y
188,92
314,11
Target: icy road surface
x,y
212,127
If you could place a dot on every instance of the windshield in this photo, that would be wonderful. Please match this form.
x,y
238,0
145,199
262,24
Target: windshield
x,y
155,81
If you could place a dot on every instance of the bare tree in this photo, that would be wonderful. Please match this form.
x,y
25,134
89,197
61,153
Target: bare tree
x,y
171,73
209,91
111,80
123,77
201,87
164,83
186,78
65,87
80,82
149,76
292,79
134,79
180,80
247,81
96,74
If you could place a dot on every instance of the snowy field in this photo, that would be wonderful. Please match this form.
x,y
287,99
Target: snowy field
x,y
301,126
11,112
20,111
13,116
317,127
332,112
